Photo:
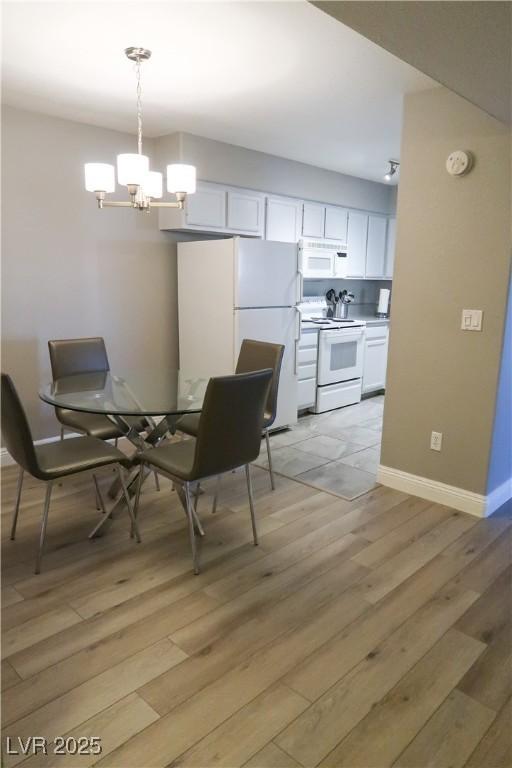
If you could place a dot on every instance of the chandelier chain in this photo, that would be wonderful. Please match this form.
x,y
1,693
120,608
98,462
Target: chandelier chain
x,y
139,107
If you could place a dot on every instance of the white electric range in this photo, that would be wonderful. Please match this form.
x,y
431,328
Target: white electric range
x,y
340,355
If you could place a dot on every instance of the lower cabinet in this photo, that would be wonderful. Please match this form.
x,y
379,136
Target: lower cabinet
x,y
306,369
375,357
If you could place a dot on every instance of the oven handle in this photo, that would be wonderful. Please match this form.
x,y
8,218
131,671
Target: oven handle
x,y
342,336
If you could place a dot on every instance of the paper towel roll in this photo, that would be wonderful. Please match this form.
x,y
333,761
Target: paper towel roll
x,y
383,305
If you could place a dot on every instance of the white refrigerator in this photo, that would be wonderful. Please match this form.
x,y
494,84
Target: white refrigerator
x,y
235,289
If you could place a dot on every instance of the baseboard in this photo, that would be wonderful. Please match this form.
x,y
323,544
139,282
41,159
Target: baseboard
x,y
440,493
499,497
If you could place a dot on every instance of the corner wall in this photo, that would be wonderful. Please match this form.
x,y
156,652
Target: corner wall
x,y
453,252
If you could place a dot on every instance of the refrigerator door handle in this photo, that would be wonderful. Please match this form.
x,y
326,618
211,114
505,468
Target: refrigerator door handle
x,y
300,276
297,340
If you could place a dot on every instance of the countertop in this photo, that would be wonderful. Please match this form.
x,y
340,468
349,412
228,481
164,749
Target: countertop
x,y
368,319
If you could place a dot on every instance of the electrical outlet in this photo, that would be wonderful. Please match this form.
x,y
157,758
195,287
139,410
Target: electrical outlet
x,y
436,441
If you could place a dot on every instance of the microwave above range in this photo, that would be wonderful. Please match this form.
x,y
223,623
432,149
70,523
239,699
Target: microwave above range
x,y
323,258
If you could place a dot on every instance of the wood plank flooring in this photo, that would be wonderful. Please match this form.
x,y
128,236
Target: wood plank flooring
x,y
359,634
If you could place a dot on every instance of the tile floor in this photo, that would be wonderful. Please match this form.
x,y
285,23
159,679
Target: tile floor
x,y
337,451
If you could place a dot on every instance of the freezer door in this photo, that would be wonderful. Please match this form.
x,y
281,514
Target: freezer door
x,y
266,274
279,326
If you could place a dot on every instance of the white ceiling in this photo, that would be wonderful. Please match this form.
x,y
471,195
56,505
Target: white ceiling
x,y
280,77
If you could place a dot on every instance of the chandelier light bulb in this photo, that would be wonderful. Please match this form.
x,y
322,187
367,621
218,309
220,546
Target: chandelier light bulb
x,y
132,169
153,184
181,178
99,177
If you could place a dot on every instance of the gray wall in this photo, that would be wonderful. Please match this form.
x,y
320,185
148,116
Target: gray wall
x,y
452,252
466,46
69,269
229,164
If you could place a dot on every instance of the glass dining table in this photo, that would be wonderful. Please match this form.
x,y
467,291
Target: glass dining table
x,y
158,398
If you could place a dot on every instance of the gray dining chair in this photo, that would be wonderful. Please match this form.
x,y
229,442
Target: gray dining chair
x,y
52,461
69,357
228,437
253,356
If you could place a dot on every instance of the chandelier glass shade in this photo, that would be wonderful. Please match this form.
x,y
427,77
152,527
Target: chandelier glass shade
x,y
144,186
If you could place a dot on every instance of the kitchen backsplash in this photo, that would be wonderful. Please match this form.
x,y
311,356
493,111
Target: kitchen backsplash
x,y
365,291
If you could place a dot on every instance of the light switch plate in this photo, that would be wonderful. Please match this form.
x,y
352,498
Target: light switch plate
x,y
471,320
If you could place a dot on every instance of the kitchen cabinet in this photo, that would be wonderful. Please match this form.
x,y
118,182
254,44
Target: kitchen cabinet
x,y
375,357
336,223
376,247
245,212
324,221
206,207
219,209
357,235
390,247
313,220
306,369
283,219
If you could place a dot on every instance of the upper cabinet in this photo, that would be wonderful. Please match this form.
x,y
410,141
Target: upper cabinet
x,y
336,223
367,239
219,209
357,236
206,208
390,247
283,219
246,212
324,221
313,220
376,247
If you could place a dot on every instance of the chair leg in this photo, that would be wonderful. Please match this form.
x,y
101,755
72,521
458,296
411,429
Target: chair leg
x,y
99,498
216,494
62,433
269,454
126,495
100,506
116,442
251,504
157,481
17,504
44,523
192,535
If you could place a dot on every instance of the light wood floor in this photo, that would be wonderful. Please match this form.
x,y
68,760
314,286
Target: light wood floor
x,y
368,633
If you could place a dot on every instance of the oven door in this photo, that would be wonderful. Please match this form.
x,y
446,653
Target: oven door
x,y
340,355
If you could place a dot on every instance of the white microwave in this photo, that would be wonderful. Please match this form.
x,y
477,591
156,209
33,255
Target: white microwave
x,y
323,258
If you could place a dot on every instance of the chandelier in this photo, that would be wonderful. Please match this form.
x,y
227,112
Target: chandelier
x,y
144,186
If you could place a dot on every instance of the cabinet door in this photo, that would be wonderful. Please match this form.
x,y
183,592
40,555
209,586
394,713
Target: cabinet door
x,y
376,246
336,223
357,234
283,219
375,363
207,207
313,220
245,212
390,248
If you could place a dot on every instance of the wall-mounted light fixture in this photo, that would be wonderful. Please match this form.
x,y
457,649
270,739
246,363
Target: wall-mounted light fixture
x,y
394,165
144,186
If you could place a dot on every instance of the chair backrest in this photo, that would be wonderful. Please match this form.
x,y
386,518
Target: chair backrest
x,y
16,434
229,433
72,356
256,355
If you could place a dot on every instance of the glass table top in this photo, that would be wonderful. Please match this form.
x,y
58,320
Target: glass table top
x,y
144,392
